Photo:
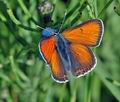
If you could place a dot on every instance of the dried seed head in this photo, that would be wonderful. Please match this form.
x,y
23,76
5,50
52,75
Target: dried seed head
x,y
45,7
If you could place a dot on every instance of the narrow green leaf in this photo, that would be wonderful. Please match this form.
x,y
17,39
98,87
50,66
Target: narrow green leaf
x,y
2,17
117,7
88,89
103,75
10,13
24,8
5,78
105,7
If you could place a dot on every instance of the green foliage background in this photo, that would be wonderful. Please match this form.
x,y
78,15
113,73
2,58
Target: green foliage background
x,y
25,78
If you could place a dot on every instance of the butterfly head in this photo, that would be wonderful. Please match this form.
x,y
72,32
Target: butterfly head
x,y
47,32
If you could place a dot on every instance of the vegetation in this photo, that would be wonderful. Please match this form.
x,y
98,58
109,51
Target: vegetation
x,y
24,77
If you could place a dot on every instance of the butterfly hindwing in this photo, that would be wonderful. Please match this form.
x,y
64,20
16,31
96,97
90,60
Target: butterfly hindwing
x,y
88,33
51,56
82,59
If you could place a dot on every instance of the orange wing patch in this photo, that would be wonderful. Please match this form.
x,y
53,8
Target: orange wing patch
x,y
57,68
47,47
83,59
88,33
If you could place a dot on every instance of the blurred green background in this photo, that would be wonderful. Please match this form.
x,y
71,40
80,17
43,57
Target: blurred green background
x,y
26,78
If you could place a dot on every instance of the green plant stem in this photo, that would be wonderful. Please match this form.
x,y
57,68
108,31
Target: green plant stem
x,y
11,15
24,8
88,89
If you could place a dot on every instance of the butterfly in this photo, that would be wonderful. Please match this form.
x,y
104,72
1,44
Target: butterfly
x,y
70,50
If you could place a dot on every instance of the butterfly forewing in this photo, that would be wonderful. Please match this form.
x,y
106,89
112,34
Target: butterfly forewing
x,y
46,48
51,56
88,33
57,68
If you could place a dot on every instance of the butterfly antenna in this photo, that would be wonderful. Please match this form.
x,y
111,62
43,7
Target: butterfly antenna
x,y
63,21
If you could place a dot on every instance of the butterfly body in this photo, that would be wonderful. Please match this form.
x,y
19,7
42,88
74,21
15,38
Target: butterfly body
x,y
71,49
61,45
47,32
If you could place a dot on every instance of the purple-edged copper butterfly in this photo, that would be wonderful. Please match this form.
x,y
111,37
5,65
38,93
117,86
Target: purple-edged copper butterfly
x,y
70,50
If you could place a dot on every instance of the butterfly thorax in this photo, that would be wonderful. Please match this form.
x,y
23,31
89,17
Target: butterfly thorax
x,y
47,32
